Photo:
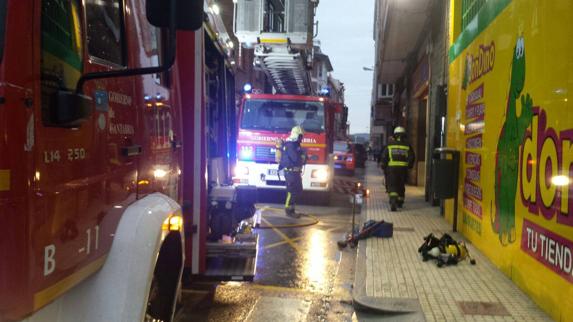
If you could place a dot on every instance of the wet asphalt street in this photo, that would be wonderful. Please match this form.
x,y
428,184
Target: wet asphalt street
x,y
301,273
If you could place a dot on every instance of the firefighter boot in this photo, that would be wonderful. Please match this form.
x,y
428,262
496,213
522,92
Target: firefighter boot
x,y
400,202
393,203
291,213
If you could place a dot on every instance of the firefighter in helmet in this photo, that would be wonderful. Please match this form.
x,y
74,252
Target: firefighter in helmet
x,y
396,159
293,158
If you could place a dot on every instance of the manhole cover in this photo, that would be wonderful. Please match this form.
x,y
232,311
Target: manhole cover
x,y
482,308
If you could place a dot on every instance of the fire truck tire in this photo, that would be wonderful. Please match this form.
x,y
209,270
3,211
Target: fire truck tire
x,y
165,284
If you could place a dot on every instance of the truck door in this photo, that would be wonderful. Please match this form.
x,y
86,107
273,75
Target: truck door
x,y
159,168
17,91
86,174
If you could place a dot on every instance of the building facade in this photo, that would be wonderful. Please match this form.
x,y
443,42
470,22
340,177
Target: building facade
x,y
509,115
490,79
409,78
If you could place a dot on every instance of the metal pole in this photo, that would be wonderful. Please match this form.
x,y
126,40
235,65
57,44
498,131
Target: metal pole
x,y
456,159
456,211
353,214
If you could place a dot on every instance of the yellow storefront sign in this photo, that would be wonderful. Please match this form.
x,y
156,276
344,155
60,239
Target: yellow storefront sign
x,y
510,115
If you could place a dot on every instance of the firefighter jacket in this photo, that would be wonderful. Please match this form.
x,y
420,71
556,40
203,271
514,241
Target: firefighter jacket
x,y
293,156
398,153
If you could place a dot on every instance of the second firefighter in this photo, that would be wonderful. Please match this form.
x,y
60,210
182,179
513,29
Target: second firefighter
x,y
396,159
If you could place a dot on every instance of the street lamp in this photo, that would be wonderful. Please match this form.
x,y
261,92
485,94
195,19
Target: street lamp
x,y
368,68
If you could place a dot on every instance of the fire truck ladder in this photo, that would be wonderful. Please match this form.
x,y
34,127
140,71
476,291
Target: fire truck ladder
x,y
281,32
287,71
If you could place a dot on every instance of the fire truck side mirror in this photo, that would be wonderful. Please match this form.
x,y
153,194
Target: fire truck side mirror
x,y
69,109
189,13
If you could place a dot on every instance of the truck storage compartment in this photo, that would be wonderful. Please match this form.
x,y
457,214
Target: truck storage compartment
x,y
235,261
232,246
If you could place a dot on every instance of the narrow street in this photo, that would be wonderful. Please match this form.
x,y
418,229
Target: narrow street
x,y
150,151
301,274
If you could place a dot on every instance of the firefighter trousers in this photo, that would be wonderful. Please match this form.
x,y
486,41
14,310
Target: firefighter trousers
x,y
396,183
294,189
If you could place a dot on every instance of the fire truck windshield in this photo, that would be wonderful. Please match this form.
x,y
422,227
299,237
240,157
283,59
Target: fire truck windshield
x,y
341,146
281,116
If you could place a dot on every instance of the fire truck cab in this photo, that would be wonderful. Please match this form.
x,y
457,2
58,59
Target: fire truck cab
x,y
264,120
104,198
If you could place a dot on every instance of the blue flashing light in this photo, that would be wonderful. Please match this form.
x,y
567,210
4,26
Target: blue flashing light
x,y
325,91
247,88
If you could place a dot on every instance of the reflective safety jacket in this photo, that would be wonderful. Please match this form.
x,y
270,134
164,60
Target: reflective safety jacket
x,y
397,153
293,157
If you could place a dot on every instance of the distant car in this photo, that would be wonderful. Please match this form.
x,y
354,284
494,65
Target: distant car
x,y
344,157
361,155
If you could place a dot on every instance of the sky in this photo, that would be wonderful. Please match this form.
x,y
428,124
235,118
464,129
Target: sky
x,y
345,33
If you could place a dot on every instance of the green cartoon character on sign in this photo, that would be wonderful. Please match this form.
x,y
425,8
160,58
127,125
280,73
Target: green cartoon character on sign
x,y
507,155
467,72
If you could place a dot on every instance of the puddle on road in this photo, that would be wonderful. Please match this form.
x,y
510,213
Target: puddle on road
x,y
279,309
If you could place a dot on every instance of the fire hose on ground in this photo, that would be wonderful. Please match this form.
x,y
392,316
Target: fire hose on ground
x,y
260,211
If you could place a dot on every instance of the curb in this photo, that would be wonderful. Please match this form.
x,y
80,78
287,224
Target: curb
x,y
380,305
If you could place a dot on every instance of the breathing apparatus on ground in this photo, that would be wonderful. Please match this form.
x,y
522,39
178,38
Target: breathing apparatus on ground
x,y
445,250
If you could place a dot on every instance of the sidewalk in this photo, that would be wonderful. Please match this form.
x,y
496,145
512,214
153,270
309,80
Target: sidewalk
x,y
391,274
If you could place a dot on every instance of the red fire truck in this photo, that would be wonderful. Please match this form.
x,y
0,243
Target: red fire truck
x,y
104,198
266,118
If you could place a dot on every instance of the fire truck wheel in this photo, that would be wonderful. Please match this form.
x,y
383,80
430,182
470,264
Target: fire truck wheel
x,y
165,284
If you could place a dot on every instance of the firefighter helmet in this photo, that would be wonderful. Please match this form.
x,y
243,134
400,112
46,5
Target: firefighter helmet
x,y
399,130
296,132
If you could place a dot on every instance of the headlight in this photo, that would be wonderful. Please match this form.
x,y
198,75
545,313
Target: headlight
x,y
159,173
246,152
173,223
241,170
319,174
